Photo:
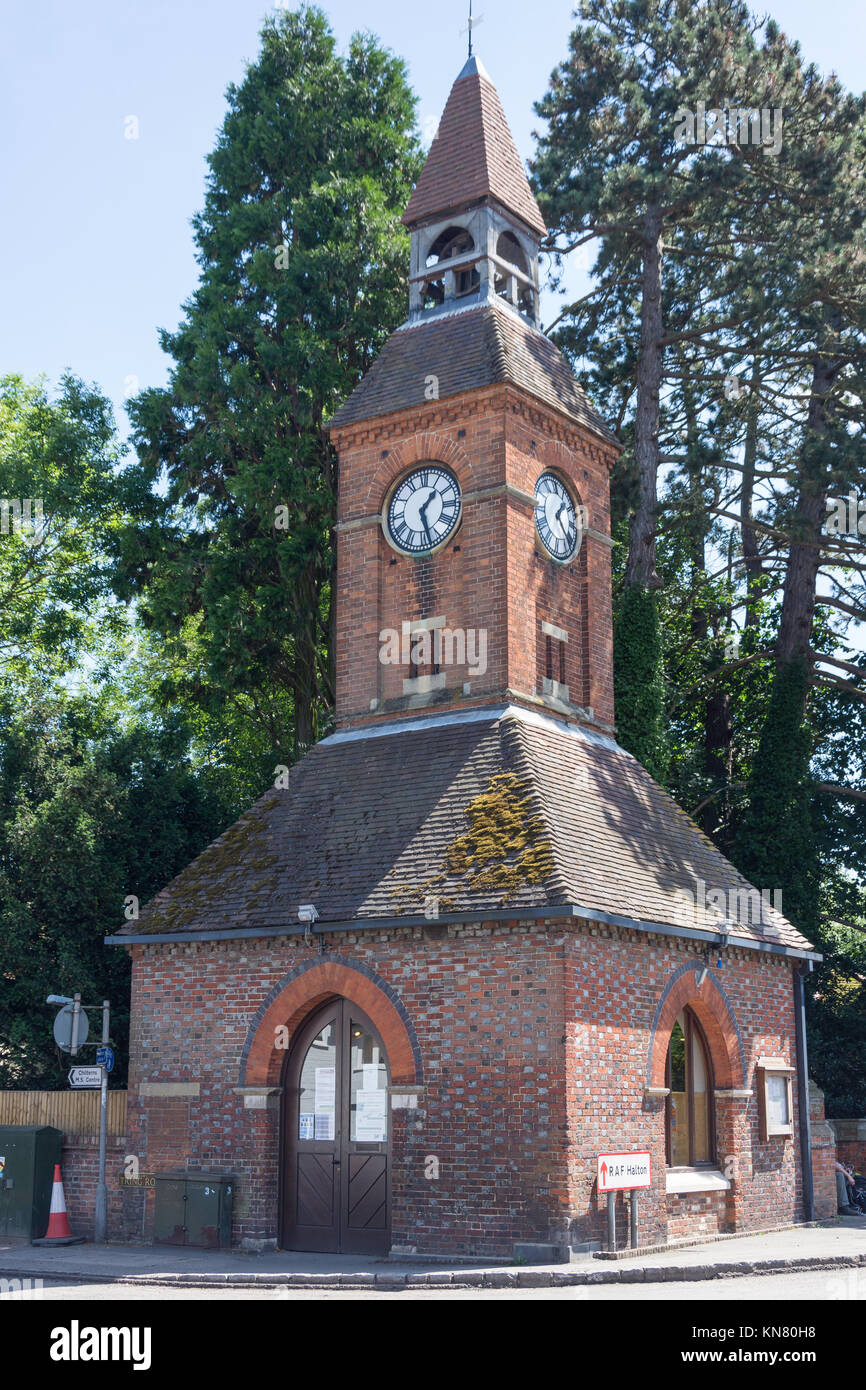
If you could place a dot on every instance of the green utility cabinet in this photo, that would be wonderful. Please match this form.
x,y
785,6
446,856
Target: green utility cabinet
x,y
28,1154
194,1209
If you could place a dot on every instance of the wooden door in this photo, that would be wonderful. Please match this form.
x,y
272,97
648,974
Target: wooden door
x,y
336,1151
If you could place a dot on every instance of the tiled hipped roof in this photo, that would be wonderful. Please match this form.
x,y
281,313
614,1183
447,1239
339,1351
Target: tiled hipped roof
x,y
466,350
505,810
473,156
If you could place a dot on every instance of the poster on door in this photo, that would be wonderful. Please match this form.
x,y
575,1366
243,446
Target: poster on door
x,y
370,1116
325,1102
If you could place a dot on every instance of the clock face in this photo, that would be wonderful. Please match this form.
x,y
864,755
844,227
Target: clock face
x,y
556,518
424,509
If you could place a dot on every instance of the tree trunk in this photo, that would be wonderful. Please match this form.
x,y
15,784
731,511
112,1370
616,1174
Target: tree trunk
x,y
805,553
749,536
641,565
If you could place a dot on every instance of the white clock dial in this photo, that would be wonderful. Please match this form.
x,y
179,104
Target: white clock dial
x,y
424,509
556,518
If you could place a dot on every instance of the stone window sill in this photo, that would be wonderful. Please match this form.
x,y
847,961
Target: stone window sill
x,y
696,1180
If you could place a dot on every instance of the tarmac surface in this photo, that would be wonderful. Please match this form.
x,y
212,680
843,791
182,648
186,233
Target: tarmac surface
x,y
834,1245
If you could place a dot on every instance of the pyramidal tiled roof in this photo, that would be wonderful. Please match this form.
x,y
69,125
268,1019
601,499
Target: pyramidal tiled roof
x,y
492,810
473,156
484,345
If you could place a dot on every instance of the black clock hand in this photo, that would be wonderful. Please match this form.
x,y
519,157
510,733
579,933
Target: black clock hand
x,y
422,512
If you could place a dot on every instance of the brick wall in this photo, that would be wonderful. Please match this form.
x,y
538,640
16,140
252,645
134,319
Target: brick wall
x,y
851,1142
491,575
823,1157
691,1214
535,1041
80,1173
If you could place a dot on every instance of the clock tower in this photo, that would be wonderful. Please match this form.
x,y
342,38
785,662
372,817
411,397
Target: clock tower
x,y
473,518
466,948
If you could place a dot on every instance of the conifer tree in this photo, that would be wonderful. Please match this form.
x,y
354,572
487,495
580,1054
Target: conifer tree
x,y
303,275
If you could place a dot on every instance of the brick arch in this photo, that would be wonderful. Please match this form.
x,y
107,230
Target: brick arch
x,y
713,1009
418,448
297,995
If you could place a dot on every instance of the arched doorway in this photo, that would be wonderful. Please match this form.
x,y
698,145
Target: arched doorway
x,y
336,1158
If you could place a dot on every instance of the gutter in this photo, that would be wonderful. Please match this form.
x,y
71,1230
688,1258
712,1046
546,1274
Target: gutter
x,y
803,1092
571,910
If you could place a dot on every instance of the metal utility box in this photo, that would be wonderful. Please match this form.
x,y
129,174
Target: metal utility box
x,y
28,1154
194,1209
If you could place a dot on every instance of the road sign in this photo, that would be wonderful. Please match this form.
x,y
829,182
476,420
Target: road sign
x,y
85,1078
623,1171
63,1028
105,1057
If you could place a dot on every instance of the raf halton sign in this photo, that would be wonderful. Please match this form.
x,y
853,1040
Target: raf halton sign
x,y
617,1171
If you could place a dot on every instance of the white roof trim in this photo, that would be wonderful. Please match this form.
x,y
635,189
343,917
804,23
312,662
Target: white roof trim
x,y
484,714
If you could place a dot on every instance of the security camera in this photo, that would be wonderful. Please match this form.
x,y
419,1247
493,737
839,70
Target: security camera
x,y
307,913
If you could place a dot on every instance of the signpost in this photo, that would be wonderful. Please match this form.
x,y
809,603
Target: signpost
x,y
618,1172
70,1033
85,1078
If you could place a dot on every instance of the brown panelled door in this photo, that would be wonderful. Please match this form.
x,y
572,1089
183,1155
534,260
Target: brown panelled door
x,y
336,1153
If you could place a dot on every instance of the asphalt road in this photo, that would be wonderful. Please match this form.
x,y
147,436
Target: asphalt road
x,y
810,1286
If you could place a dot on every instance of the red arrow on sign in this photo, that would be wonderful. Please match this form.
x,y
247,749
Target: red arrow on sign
x,y
603,1174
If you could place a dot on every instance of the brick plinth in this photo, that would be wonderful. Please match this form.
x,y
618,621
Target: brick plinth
x,y
823,1157
531,1045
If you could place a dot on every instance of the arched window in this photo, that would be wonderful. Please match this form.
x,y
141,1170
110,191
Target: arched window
x,y
689,1110
453,242
507,286
509,249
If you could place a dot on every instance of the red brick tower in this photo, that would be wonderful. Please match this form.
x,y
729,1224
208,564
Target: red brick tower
x,y
473,518
470,875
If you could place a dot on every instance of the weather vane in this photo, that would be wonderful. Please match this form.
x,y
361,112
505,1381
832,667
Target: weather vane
x,y
469,27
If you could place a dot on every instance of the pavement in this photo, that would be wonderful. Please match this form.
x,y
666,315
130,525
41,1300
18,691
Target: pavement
x,y
827,1245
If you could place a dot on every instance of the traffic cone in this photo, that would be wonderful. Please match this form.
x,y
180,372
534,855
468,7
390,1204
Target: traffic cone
x,y
58,1221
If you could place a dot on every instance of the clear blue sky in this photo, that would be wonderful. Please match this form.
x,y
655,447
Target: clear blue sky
x,y
95,244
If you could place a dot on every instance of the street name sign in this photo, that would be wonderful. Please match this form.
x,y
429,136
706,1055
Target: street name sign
x,y
85,1078
623,1171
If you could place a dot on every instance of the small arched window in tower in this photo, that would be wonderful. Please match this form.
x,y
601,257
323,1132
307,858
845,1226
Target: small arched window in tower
x,y
689,1111
511,287
453,242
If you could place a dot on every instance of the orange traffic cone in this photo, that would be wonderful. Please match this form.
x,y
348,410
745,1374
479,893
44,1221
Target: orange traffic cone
x,y
58,1232
58,1221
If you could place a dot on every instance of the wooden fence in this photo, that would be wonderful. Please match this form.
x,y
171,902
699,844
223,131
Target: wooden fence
x,y
75,1112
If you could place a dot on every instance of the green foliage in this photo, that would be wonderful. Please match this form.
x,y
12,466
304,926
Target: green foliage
x,y
639,680
775,845
836,1020
96,805
303,275
61,456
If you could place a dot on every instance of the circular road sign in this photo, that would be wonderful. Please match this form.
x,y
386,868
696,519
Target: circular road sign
x,y
63,1028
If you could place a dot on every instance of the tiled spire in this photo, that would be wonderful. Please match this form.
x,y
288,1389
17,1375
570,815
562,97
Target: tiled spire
x,y
473,157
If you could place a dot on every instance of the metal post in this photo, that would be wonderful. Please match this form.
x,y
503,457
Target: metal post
x,y
632,1233
101,1194
76,1012
611,1220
